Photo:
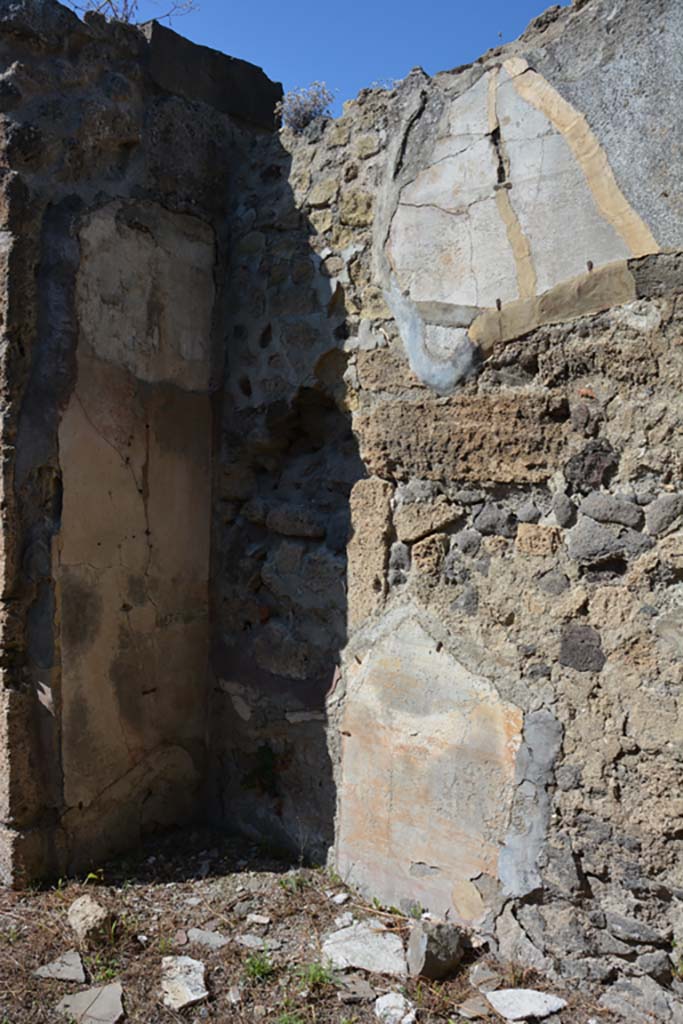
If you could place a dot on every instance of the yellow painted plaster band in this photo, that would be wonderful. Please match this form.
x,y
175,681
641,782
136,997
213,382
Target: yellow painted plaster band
x,y
521,250
593,292
588,153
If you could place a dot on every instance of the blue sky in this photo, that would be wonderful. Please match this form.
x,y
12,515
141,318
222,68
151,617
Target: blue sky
x,y
355,43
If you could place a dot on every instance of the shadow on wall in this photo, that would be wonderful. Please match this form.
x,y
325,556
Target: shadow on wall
x,y
286,465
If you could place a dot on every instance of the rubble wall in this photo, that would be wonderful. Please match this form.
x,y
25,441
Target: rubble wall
x,y
449,533
116,188
342,486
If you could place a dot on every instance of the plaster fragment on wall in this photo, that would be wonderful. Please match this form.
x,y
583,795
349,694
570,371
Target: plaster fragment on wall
x,y
427,773
495,235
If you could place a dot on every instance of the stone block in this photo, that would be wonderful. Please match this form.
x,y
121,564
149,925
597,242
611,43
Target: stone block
x,y
605,508
368,548
502,439
435,950
537,541
203,75
581,649
664,514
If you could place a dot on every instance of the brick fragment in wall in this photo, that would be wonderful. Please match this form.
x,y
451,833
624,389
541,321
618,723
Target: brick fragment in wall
x,y
538,541
416,520
367,550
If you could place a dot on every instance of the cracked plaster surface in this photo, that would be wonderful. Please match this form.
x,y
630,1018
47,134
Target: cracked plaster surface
x,y
516,217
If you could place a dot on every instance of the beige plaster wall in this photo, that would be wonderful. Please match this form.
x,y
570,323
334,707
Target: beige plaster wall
x,y
132,557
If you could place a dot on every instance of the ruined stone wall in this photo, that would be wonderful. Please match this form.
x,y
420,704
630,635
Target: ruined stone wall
x,y
115,190
449,545
342,486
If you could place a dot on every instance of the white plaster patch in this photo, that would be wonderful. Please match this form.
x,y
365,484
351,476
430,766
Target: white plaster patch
x,y
517,199
146,290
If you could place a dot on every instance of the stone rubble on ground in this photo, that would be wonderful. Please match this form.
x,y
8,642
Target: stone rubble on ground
x,y
394,1008
67,967
183,982
102,1005
435,950
483,976
368,946
521,1003
640,1001
354,988
90,921
474,1008
258,919
212,940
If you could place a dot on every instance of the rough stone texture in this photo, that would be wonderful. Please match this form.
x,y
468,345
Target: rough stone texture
x,y
90,921
506,439
664,513
581,649
392,398
434,950
182,982
394,1008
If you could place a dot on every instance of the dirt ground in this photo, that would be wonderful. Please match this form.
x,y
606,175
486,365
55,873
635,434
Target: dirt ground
x,y
207,881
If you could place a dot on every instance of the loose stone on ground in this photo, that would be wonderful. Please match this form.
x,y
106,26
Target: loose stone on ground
x,y
367,946
394,1008
90,921
182,982
102,1005
521,1003
68,967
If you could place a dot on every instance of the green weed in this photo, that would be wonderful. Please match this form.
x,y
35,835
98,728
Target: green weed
x,y
259,966
315,975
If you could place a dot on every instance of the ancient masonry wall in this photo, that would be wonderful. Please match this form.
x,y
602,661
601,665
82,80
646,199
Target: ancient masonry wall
x,y
451,587
431,355
118,148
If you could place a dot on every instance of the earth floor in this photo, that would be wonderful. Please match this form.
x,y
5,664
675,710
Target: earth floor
x,y
204,881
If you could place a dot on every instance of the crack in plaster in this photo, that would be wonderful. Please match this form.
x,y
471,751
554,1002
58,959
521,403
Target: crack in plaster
x,y
527,281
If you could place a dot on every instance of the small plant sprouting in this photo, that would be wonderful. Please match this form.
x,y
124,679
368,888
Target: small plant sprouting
x,y
301,106
127,10
102,968
416,911
293,883
259,966
95,877
289,1018
315,976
